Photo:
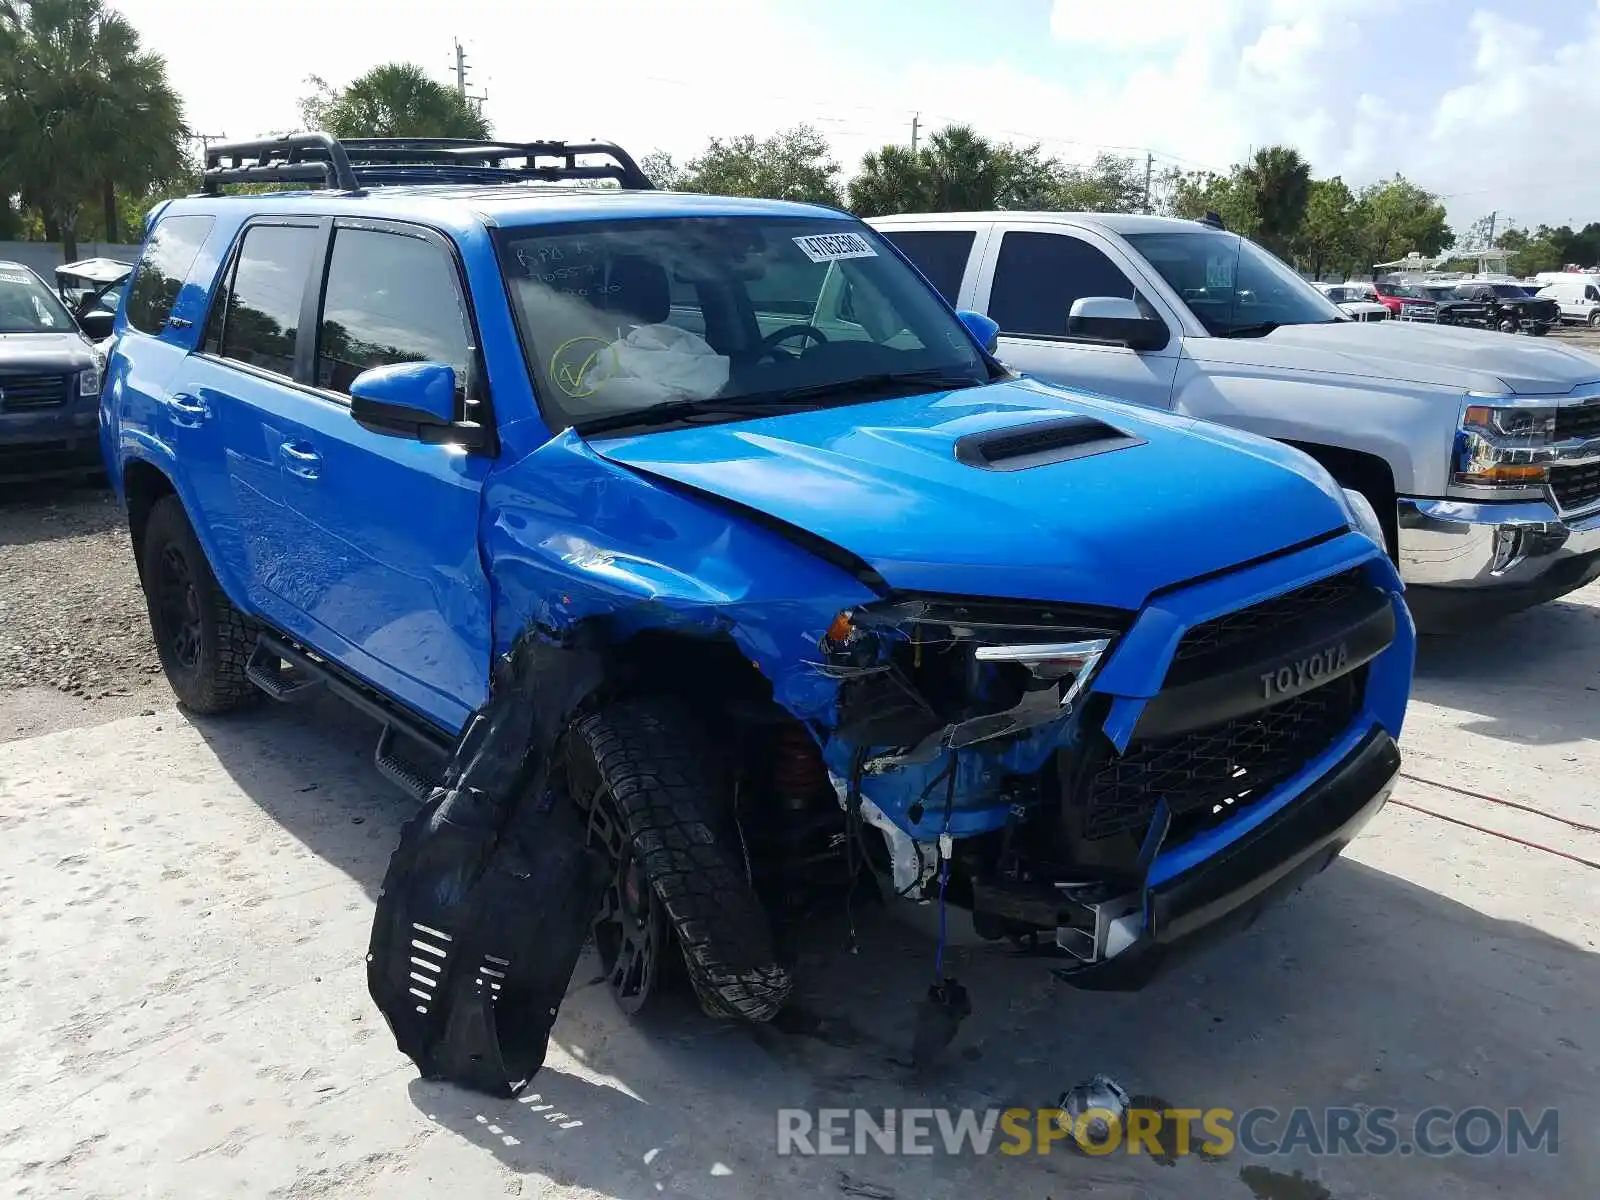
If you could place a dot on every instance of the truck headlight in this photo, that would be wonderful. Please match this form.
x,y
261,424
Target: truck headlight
x,y
1363,518
1503,447
89,381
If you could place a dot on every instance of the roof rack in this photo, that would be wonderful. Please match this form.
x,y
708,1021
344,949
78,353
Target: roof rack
x,y
350,163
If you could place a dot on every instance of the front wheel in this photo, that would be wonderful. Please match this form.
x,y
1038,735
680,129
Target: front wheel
x,y
648,789
202,640
1594,319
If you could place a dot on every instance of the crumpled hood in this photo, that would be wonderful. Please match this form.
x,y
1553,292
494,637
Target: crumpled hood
x,y
45,352
1478,360
882,481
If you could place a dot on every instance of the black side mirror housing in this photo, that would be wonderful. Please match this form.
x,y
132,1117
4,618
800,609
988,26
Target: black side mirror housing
x,y
97,326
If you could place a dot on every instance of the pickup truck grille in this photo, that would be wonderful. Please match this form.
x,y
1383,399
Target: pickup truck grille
x,y
1575,487
1207,775
1579,421
25,393
1269,616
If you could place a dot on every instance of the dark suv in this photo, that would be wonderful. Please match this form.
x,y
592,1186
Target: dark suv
x,y
49,383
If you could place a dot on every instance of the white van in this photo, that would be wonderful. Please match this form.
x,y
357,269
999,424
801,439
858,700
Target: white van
x,y
1579,297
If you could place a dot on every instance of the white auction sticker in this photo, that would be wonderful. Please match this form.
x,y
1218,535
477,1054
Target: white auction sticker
x,y
830,247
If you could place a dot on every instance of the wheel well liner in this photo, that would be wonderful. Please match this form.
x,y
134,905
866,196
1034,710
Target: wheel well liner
x,y
143,484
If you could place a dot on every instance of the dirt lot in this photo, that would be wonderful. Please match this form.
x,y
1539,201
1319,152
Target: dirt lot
x,y
184,909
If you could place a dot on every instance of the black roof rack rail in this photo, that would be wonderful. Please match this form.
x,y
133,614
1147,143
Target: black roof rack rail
x,y
349,163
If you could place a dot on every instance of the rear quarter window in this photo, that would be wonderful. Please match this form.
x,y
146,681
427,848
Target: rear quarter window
x,y
168,255
940,254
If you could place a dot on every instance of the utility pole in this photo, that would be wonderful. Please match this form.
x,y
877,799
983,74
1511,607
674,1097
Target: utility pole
x,y
1149,169
205,140
461,76
915,120
461,69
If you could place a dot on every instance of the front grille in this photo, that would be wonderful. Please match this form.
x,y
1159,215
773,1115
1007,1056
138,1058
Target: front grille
x,y
1419,312
1579,421
1575,487
24,393
1270,616
1207,775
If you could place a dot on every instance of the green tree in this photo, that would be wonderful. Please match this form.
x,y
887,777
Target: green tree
x,y
1326,239
663,171
892,179
960,170
1279,182
394,100
1396,217
793,164
83,112
1192,194
1110,183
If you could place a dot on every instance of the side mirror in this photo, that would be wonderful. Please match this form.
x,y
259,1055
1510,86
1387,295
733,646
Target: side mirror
x,y
1115,319
982,328
96,326
410,399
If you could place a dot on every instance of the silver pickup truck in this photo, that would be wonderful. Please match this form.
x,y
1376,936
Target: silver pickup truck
x,y
1480,452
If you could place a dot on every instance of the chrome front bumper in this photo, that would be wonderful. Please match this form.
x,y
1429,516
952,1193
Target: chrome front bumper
x,y
1465,544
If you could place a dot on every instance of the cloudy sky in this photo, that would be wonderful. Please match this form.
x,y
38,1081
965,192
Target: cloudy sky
x,y
1493,103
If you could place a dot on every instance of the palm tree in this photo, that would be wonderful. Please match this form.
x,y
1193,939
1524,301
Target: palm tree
x,y
393,100
1281,182
82,110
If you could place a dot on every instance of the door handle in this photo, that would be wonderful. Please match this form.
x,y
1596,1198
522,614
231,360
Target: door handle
x,y
188,411
300,459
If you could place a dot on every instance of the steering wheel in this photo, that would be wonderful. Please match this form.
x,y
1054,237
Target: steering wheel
x,y
769,344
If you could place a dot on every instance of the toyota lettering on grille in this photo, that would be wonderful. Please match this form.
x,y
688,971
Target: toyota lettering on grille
x,y
1304,673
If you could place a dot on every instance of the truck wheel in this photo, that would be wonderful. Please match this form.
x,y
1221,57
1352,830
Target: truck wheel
x,y
203,641
1594,319
642,777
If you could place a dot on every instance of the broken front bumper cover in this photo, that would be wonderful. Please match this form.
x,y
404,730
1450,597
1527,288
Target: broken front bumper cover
x,y
1227,891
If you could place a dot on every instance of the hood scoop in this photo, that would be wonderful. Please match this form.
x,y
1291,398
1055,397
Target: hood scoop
x,y
1018,447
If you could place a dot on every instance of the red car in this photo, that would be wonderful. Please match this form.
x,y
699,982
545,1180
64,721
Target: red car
x,y
1405,303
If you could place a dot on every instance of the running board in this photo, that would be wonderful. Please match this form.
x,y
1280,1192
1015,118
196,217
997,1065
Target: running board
x,y
266,670
406,775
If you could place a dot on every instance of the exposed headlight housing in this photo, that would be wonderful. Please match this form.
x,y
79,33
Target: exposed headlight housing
x,y
926,673
1503,448
1363,517
89,381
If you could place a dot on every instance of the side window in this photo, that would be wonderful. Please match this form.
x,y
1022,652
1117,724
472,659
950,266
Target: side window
x,y
1592,294
1037,276
940,254
168,254
261,305
390,298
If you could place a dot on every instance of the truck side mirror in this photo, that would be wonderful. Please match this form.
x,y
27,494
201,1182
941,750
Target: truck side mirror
x,y
97,326
1115,319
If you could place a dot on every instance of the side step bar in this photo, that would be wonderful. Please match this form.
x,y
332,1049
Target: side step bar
x,y
308,675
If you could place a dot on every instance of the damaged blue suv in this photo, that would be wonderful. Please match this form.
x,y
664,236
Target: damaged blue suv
x,y
705,570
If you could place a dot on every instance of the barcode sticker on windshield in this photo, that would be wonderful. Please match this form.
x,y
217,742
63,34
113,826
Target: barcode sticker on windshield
x,y
830,247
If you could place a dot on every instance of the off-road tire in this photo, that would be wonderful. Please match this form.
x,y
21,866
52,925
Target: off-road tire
x,y
208,676
673,804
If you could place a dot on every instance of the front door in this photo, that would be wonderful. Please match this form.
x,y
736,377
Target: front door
x,y
1028,287
389,526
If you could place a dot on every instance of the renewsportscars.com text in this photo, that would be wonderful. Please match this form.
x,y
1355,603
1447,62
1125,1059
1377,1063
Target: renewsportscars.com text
x,y
1168,1133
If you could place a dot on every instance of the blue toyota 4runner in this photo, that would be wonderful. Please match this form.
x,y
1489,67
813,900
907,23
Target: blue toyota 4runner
x,y
708,524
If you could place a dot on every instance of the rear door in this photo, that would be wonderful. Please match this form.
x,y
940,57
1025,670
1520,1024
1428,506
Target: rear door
x,y
386,572
229,404
948,254
1030,278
